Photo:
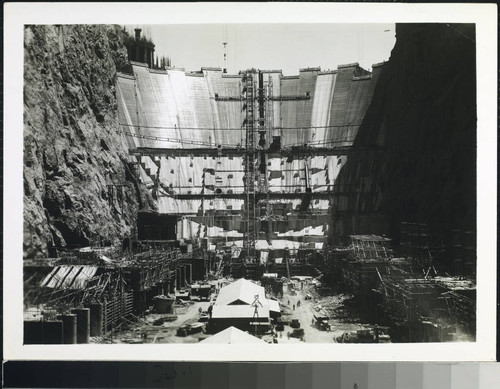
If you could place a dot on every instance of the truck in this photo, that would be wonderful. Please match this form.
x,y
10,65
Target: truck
x,y
375,335
321,322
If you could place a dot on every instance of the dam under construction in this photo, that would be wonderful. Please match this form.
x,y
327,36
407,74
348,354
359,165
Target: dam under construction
x,y
171,206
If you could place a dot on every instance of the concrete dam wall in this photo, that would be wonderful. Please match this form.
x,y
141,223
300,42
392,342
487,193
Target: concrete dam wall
x,y
190,110
175,109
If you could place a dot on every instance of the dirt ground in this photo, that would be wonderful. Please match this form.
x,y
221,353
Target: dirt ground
x,y
295,292
144,331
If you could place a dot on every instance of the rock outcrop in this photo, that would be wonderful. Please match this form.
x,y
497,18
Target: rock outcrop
x,y
415,155
74,154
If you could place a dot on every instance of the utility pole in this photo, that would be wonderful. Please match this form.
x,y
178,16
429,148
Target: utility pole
x,y
225,58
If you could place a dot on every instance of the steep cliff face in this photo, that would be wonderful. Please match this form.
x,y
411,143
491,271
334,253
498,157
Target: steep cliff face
x,y
73,150
415,155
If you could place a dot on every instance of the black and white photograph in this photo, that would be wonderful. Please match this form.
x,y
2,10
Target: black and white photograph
x,y
250,183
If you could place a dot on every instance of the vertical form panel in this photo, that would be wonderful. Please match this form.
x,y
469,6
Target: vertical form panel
x,y
127,110
307,85
323,94
158,99
232,110
202,107
359,98
213,77
338,109
138,113
155,98
275,77
184,108
289,87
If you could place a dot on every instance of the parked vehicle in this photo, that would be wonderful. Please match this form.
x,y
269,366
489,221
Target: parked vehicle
x,y
297,333
295,323
322,323
184,330
196,328
364,336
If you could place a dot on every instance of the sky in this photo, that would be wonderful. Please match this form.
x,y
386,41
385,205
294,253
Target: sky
x,y
288,47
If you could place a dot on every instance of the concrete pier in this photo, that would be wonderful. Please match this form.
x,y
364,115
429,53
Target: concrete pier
x,y
82,324
69,328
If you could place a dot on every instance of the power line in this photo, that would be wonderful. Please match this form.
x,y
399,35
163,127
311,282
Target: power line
x,y
237,129
232,145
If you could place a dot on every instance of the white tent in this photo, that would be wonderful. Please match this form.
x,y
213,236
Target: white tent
x,y
232,335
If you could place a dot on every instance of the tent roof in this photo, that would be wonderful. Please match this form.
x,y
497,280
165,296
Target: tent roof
x,y
242,290
69,277
232,335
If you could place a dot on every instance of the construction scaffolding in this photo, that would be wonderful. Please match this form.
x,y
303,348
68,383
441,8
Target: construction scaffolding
x,y
111,290
370,248
250,161
431,309
152,268
257,119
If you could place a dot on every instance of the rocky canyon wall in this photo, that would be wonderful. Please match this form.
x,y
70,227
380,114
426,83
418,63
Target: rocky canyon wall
x,y
78,185
415,155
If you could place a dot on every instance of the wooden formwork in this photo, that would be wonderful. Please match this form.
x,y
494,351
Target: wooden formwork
x,y
411,300
155,268
115,309
462,309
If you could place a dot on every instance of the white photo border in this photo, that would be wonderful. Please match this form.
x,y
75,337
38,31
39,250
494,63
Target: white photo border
x,y
16,15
